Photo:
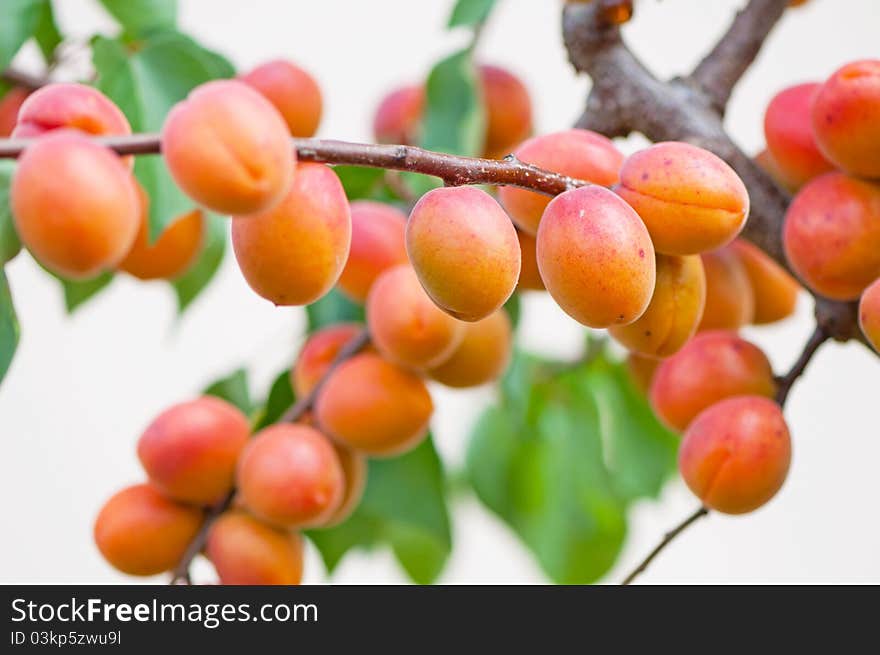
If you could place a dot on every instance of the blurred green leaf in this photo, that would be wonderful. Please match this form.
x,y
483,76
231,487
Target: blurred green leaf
x,y
9,330
405,506
281,397
140,16
77,292
454,119
189,285
513,307
18,23
470,12
234,389
47,33
335,307
360,182
9,242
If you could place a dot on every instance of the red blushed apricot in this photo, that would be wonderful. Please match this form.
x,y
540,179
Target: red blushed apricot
x,y
690,199
464,250
190,450
508,110
406,326
246,551
354,467
294,253
846,118
774,290
141,532
229,149
730,300
529,275
674,311
788,130
869,314
289,475
832,235
377,244
481,357
765,160
69,105
399,116
75,205
641,370
374,406
712,366
295,94
596,258
9,107
318,354
735,455
580,154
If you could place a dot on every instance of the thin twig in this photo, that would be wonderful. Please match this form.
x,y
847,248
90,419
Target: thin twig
x,y
667,539
22,79
786,381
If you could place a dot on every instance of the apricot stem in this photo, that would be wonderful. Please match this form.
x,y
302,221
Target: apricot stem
x,y
786,381
667,539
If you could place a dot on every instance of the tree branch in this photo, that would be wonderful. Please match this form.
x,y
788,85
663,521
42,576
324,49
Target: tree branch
x,y
785,382
22,79
667,539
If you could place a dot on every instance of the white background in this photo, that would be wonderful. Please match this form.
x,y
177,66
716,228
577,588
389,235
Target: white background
x,y
80,389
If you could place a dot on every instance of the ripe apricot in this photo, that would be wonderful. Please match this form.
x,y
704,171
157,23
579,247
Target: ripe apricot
x,y
464,250
580,154
374,406
406,326
142,532
674,312
730,300
293,253
481,357
508,110
735,455
596,258
869,314
290,476
774,290
229,149
318,353
354,468
788,130
832,235
75,106
190,450
293,92
846,118
529,275
377,244
690,200
10,103
641,370
712,366
399,116
75,204
246,551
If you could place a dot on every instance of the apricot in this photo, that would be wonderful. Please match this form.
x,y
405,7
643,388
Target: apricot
x,y
641,370
190,450
75,106
374,406
735,455
10,103
317,355
293,253
290,476
831,235
405,325
481,357
399,115
788,130
529,275
674,312
377,244
690,199
354,468
508,108
846,118
75,204
596,258
246,551
730,299
712,366
464,250
229,149
774,290
869,314
141,532
293,92
580,154
767,164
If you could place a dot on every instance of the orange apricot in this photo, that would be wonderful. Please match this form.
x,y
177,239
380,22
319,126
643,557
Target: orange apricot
x,y
869,314
641,370
690,199
354,468
674,312
596,258
293,253
774,290
481,357
735,455
508,110
374,406
10,104
229,149
293,92
142,532
529,275
75,204
75,106
399,116
317,355
580,154
730,299
832,235
464,250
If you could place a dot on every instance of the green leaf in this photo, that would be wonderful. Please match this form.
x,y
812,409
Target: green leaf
x,y
470,12
234,389
47,33
454,120
9,330
513,307
18,23
189,285
9,242
360,182
77,292
404,506
281,397
335,307
140,16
